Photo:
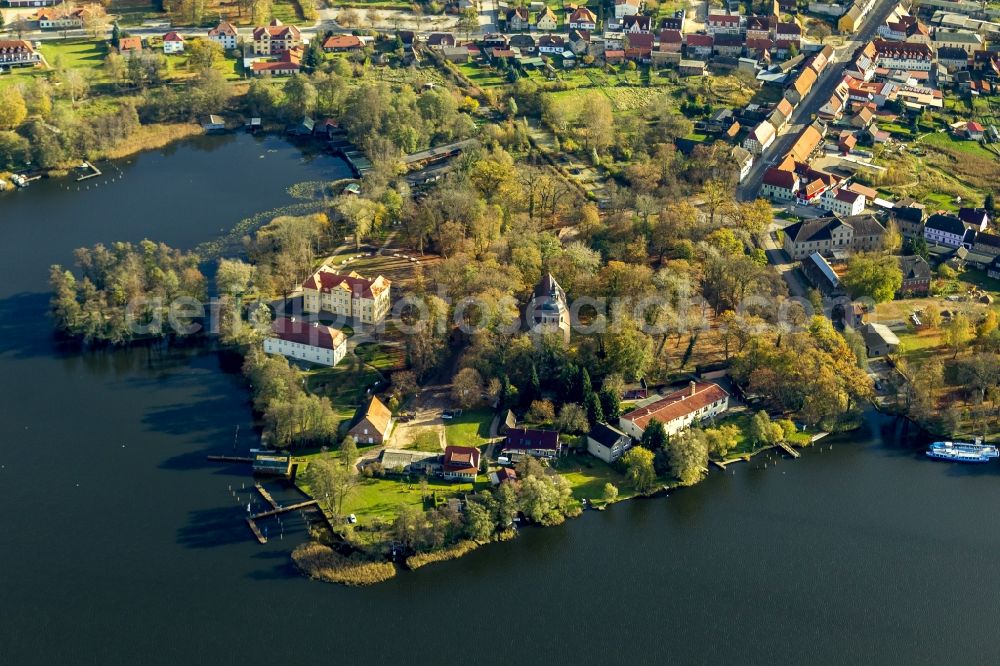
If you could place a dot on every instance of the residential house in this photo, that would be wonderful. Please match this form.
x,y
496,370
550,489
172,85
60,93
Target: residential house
x,y
304,341
863,65
437,41
730,46
879,340
843,202
974,218
607,442
518,19
502,475
17,53
790,32
801,86
846,142
527,45
460,463
551,44
410,461
780,115
860,233
548,311
916,276
820,274
974,131
670,41
342,44
547,20
758,27
675,22
909,218
724,24
32,3
780,185
348,295
807,141
275,38
833,108
625,8
863,118
374,426
968,41
286,64
66,18
955,59
743,159
225,34
530,442
986,244
944,229
173,42
583,19
637,24
699,46
851,19
638,46
696,402
760,138
993,270
904,56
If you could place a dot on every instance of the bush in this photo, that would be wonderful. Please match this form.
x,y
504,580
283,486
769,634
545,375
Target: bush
x,y
323,563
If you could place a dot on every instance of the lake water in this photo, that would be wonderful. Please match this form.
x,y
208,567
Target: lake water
x,y
119,543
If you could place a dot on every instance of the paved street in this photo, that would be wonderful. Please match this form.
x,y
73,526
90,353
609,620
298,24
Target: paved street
x,y
819,94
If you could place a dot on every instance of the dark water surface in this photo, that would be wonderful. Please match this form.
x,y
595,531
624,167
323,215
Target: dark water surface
x,y
120,544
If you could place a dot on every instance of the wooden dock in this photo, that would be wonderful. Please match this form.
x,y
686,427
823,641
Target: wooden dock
x,y
256,531
721,465
266,495
284,509
230,459
788,449
94,172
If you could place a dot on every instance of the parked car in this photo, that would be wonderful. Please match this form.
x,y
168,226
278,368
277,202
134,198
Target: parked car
x,y
352,519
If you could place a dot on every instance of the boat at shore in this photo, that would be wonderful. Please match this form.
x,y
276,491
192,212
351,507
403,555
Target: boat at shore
x,y
963,451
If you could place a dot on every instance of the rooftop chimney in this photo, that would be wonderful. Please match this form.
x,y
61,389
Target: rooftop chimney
x,y
694,388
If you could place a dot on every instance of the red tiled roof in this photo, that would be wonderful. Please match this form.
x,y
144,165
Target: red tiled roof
x,y
678,404
173,37
342,42
312,334
700,40
326,280
671,36
780,178
461,459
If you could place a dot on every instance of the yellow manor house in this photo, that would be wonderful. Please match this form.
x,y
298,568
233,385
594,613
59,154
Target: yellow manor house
x,y
348,295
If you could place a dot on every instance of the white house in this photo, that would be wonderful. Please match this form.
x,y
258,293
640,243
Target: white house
x,y
843,202
942,229
760,138
679,410
225,34
779,185
173,42
607,442
301,340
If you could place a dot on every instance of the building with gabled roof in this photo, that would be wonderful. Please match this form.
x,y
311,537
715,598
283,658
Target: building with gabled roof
x,y
347,295
305,341
696,402
845,235
374,426
916,276
607,442
531,442
460,463
275,38
225,34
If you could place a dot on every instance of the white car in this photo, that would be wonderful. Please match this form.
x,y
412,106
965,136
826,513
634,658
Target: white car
x,y
352,519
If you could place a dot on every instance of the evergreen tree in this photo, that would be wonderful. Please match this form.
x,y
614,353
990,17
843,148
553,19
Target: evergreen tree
x,y
988,203
610,403
313,56
534,391
116,34
593,405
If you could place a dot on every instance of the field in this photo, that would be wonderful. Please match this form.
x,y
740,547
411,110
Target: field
x,y
587,476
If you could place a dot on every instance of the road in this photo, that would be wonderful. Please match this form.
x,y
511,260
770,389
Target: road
x,y
818,96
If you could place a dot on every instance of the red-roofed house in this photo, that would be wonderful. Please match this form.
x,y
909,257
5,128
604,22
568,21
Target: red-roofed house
x,y
225,34
699,45
974,131
347,295
460,463
723,24
583,19
342,44
129,46
173,42
275,38
306,341
671,40
779,185
695,403
529,442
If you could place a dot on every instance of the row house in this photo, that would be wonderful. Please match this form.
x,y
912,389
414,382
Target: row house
x,y
780,114
675,22
275,38
527,44
857,233
791,32
814,183
820,60
944,229
639,47
801,86
863,64
728,45
833,108
670,41
758,27
851,20
904,56
905,29
699,46
225,35
760,138
779,185
724,24
551,44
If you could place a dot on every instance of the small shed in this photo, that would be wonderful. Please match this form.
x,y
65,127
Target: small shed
x,y
879,340
213,123
271,463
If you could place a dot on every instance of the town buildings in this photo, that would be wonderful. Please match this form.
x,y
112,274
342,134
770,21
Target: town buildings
x,y
374,426
275,38
607,442
826,235
225,34
17,53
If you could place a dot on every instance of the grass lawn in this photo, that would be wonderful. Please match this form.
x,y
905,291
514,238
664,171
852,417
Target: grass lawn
x,y
472,428
745,446
427,440
344,386
587,476
946,141
382,358
77,54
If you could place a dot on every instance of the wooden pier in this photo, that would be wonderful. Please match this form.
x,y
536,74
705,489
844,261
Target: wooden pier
x,y
266,495
230,459
720,464
256,531
94,172
788,449
284,509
